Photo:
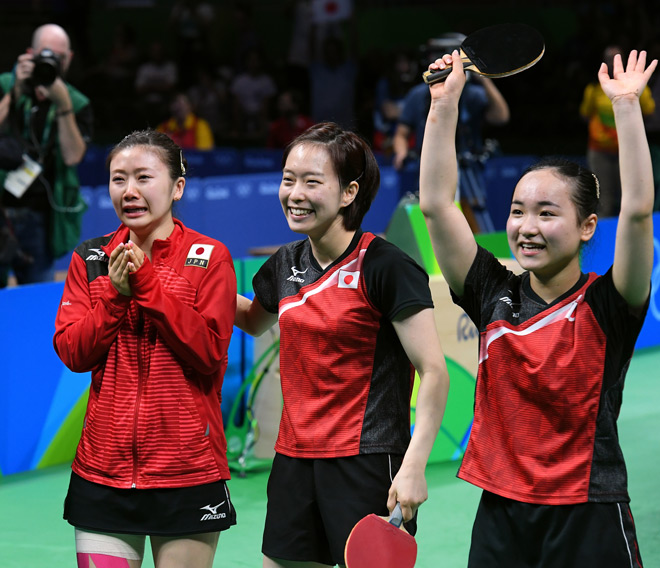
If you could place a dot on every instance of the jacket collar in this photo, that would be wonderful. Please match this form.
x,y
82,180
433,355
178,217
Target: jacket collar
x,y
162,248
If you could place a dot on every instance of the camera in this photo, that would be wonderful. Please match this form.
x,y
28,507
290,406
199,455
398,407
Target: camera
x,y
436,47
47,68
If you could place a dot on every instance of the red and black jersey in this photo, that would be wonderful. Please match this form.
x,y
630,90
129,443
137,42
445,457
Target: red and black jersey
x,y
549,387
346,379
157,360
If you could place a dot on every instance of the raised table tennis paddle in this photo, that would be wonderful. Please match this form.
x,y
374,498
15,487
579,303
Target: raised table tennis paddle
x,y
497,51
377,542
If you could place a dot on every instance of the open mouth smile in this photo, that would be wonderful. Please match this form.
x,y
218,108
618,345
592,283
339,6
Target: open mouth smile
x,y
299,212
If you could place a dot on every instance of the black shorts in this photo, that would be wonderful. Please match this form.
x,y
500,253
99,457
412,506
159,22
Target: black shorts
x,y
313,504
512,534
162,512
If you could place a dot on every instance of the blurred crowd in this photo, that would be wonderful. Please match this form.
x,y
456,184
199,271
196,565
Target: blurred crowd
x,y
179,76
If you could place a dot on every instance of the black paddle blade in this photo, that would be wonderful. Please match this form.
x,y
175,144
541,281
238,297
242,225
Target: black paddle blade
x,y
497,51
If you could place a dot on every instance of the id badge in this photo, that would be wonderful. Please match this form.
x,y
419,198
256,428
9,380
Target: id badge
x,y
18,181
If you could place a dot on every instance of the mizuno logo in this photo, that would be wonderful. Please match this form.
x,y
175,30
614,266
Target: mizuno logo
x,y
509,302
100,255
213,510
295,277
213,515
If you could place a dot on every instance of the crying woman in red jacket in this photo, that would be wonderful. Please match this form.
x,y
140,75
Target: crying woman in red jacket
x,y
149,310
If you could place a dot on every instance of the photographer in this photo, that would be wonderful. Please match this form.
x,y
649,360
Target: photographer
x,y
481,104
47,124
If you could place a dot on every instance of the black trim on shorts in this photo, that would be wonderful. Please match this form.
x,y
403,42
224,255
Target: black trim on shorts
x,y
162,512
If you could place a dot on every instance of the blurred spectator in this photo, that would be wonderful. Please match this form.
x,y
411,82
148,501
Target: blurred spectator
x,y
186,128
247,36
290,122
332,77
252,90
209,96
192,21
391,89
481,102
122,59
298,54
111,82
155,82
602,141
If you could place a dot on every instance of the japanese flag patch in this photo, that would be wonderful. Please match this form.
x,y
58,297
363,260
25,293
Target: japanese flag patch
x,y
199,255
348,279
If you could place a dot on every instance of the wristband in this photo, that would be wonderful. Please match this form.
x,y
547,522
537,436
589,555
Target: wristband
x,y
63,112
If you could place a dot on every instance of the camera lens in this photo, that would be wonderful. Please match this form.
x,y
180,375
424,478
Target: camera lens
x,y
46,68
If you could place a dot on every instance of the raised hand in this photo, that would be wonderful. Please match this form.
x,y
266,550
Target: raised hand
x,y
628,82
452,87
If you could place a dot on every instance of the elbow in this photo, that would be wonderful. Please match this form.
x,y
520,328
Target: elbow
x,y
214,361
251,330
72,161
74,365
73,158
500,118
638,212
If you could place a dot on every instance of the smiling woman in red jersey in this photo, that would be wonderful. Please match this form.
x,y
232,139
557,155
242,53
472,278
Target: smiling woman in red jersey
x,y
149,310
554,343
356,319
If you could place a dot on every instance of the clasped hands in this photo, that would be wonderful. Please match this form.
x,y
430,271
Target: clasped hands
x,y
124,259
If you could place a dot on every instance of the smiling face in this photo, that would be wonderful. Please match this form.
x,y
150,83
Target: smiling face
x,y
543,229
310,194
142,192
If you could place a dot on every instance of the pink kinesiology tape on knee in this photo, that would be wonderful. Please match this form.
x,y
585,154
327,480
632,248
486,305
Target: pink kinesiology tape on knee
x,y
101,561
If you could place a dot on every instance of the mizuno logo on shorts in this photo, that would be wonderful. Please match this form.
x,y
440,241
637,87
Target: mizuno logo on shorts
x,y
213,514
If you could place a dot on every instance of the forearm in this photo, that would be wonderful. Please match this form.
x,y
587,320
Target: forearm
x,y
251,317
451,236
633,253
198,333
400,145
431,403
409,486
5,103
84,334
637,187
498,109
438,175
72,144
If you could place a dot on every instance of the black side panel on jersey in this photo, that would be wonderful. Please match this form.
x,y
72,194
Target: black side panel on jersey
x,y
95,258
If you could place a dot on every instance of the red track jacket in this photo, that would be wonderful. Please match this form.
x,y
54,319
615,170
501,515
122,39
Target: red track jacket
x,y
157,360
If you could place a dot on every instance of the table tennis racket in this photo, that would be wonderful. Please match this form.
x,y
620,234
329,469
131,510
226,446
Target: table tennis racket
x,y
375,541
497,51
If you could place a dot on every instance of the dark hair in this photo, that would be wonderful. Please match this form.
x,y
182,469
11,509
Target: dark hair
x,y
352,159
586,189
169,151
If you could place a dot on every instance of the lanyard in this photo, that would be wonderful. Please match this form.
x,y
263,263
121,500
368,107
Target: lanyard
x,y
50,117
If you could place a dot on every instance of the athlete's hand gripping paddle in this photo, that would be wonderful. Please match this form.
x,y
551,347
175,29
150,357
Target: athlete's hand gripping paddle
x,y
375,541
497,51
